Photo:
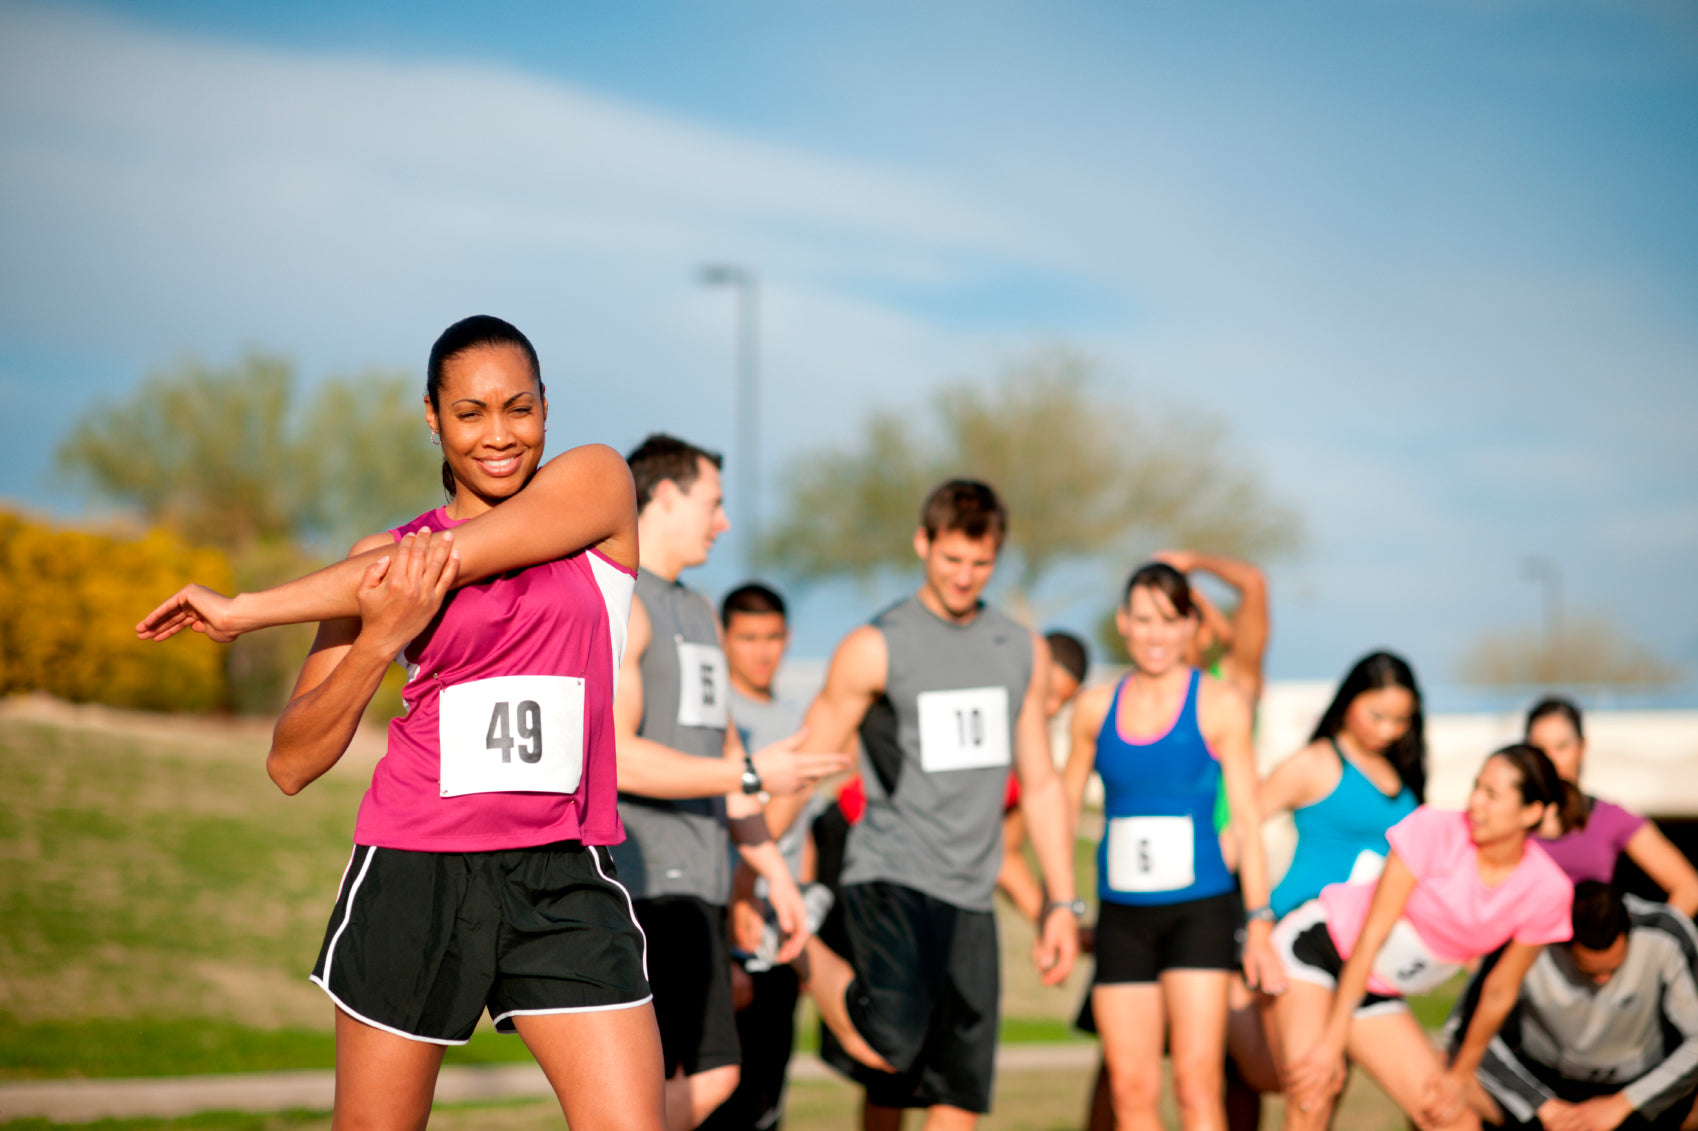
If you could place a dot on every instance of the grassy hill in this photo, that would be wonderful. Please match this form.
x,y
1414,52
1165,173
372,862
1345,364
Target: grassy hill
x,y
161,903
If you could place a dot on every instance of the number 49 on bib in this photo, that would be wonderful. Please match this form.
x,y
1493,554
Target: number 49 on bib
x,y
512,734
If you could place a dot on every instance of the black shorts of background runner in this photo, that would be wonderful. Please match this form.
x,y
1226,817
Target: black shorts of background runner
x,y
767,1029
690,969
420,943
925,997
1136,944
1306,949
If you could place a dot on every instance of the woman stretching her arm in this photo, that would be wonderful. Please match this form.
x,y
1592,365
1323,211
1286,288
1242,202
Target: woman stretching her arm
x,y
1456,886
480,877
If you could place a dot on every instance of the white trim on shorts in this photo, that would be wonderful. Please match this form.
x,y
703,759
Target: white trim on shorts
x,y
364,1020
644,1000
1283,939
347,912
330,957
595,856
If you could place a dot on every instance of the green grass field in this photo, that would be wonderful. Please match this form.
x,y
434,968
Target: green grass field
x,y
161,904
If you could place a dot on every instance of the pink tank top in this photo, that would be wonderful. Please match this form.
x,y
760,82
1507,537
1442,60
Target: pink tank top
x,y
561,618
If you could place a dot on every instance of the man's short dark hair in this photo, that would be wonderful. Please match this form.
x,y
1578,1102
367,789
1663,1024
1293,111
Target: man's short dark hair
x,y
1599,915
661,457
751,598
966,505
1070,652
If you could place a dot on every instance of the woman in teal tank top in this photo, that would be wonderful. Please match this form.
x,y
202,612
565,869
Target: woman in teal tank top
x,y
1363,770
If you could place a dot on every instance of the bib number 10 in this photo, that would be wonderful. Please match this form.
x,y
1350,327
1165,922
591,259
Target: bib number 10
x,y
964,730
511,734
500,735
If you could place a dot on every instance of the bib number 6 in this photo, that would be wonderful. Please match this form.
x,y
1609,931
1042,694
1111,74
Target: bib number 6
x,y
512,734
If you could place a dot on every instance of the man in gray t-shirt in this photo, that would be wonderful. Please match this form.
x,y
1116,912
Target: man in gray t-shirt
x,y
756,631
947,694
688,788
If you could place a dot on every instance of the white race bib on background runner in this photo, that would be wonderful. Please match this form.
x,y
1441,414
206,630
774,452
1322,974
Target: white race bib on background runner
x,y
512,733
704,686
964,730
1150,854
1405,962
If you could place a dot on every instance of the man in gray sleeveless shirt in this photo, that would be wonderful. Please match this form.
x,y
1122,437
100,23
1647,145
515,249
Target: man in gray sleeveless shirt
x,y
686,782
947,693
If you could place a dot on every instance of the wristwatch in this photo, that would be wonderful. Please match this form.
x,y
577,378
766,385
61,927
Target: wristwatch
x,y
751,777
1077,906
1262,914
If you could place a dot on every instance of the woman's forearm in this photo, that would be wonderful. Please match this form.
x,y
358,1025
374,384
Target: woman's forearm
x,y
576,500
1497,998
316,727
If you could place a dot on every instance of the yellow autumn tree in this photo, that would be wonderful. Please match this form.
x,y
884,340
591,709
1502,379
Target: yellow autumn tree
x,y
69,601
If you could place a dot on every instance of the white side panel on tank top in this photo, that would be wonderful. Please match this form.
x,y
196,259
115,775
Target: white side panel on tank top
x,y
617,588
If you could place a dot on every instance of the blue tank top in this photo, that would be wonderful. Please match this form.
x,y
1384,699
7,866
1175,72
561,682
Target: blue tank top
x,y
1334,832
1159,843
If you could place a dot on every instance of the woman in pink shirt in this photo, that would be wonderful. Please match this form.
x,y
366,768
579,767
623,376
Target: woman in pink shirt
x,y
1598,831
1456,886
480,878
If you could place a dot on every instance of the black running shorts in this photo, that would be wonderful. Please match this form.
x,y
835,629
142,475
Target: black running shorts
x,y
924,995
1135,944
690,969
421,943
1306,949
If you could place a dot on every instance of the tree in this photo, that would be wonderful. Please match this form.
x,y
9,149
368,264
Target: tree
x,y
220,457
1085,477
69,600
1586,650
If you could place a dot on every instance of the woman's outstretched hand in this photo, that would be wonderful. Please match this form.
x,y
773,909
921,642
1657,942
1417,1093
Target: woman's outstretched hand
x,y
195,607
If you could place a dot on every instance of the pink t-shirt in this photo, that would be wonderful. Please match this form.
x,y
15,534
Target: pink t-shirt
x,y
561,618
1591,853
1457,916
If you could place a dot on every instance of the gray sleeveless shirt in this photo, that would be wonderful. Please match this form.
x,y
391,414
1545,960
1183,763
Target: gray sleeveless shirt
x,y
678,847
937,752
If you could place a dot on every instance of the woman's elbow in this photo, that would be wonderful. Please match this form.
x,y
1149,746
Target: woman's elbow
x,y
285,777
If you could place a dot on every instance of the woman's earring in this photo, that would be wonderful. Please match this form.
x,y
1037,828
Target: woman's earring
x,y
436,438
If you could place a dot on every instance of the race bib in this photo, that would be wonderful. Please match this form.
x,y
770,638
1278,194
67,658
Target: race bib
x,y
1405,963
513,733
1368,866
704,686
1150,854
964,730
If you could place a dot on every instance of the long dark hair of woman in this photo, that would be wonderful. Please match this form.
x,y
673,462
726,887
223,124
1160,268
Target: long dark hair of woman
x,y
1408,755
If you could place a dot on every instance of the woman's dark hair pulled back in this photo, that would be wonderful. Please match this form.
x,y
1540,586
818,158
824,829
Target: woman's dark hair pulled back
x,y
1377,670
476,332
1577,807
1555,705
1540,782
1165,580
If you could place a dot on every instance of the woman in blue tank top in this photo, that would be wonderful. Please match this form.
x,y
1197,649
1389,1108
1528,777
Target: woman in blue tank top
x,y
1164,739
1363,770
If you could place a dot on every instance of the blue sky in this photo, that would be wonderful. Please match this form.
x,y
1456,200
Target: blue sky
x,y
1435,264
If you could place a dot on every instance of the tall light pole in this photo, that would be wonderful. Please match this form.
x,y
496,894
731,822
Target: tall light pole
x,y
748,424
1544,570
